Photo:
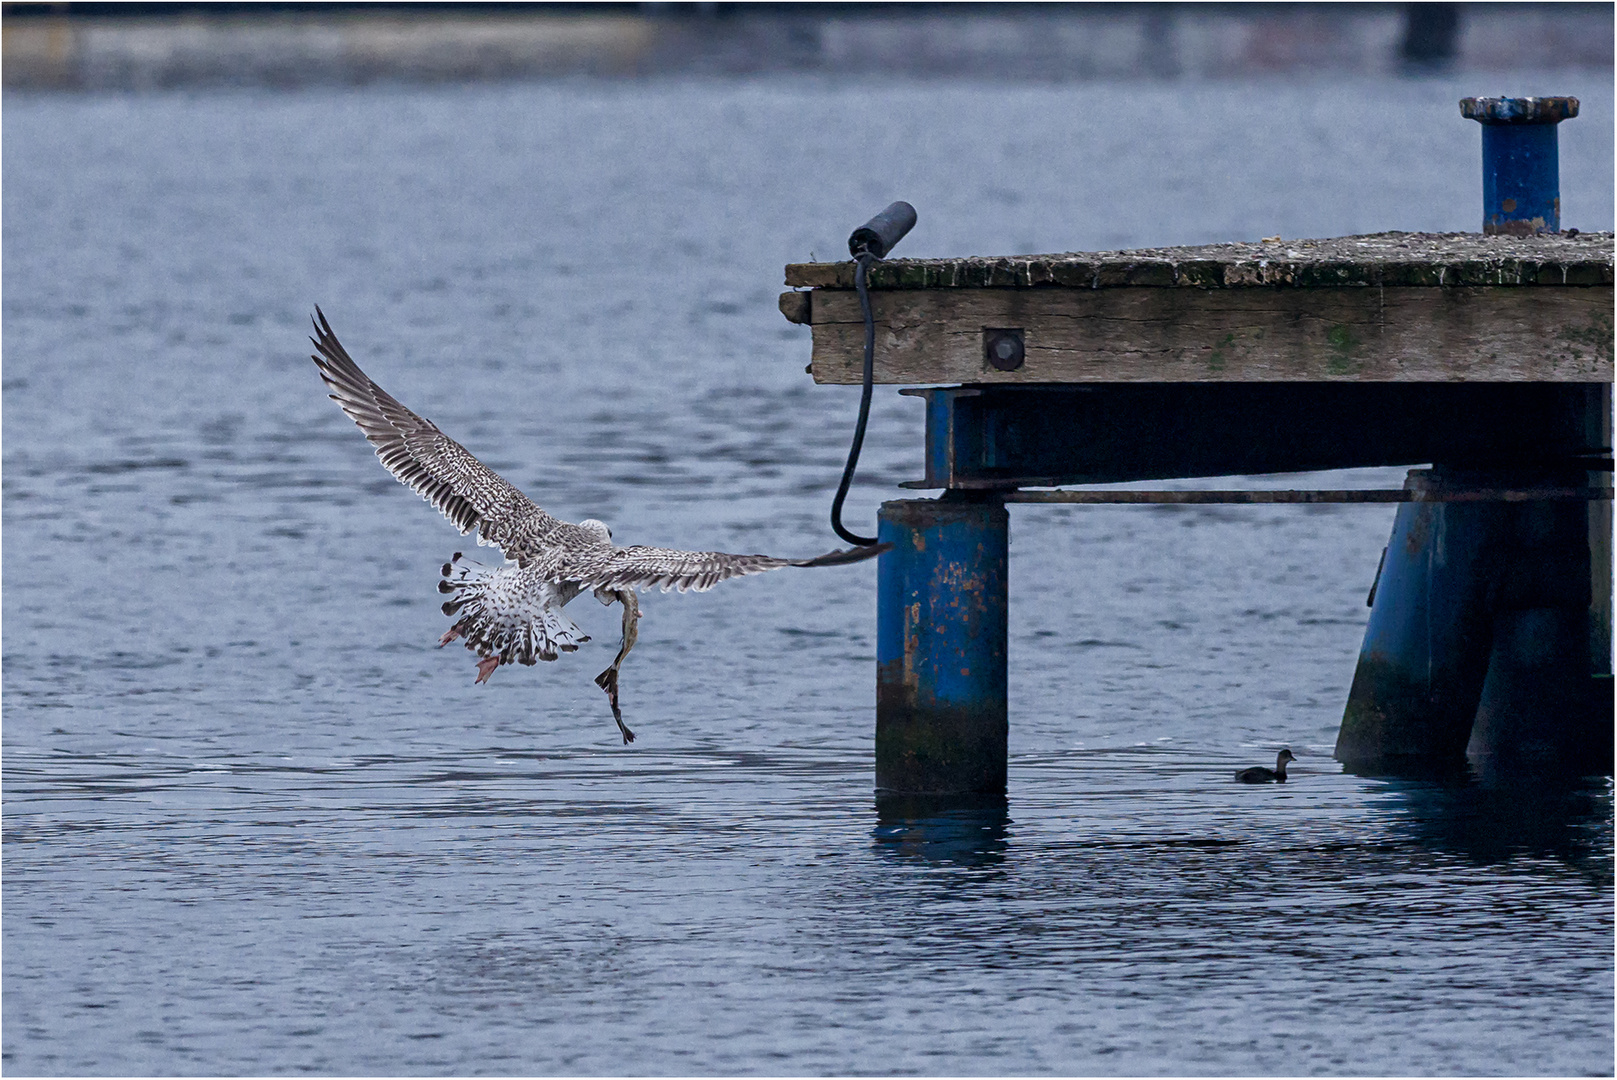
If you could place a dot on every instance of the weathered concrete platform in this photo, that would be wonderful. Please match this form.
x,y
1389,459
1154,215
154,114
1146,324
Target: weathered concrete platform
x,y
1387,307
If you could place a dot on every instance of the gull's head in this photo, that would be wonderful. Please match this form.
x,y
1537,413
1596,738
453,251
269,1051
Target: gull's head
x,y
597,529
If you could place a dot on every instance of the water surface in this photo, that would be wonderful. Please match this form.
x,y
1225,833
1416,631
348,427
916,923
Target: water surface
x,y
256,823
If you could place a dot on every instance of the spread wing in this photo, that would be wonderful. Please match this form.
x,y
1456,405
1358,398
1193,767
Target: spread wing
x,y
424,459
648,567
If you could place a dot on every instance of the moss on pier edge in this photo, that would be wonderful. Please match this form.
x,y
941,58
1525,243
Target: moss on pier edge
x,y
1391,258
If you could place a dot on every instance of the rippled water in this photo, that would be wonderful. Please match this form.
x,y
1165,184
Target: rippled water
x,y
255,823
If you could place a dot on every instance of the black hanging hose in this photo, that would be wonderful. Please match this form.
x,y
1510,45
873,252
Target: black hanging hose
x,y
861,269
868,244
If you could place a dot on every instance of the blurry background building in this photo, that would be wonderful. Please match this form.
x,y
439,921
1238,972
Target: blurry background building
x,y
103,45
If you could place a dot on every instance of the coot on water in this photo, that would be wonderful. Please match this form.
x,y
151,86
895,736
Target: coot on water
x,y
1259,775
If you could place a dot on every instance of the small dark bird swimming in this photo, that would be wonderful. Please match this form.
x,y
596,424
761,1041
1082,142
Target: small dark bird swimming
x,y
1259,775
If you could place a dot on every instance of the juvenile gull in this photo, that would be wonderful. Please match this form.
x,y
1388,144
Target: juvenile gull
x,y
513,612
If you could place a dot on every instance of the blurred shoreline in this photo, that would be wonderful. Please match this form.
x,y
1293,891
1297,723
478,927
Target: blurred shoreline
x,y
150,46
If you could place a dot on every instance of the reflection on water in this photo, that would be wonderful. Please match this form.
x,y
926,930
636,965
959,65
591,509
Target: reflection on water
x,y
1567,821
956,830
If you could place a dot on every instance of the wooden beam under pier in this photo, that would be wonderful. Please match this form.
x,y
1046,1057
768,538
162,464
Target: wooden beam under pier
x,y
1394,307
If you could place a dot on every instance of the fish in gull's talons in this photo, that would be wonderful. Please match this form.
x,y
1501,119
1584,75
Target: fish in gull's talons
x,y
608,679
512,613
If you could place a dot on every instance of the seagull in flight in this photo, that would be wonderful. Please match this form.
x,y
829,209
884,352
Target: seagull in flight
x,y
513,612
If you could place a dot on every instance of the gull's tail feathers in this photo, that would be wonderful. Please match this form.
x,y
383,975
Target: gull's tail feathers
x,y
506,614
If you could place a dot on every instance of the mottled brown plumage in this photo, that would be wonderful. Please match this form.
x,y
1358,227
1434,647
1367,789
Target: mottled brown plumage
x,y
512,613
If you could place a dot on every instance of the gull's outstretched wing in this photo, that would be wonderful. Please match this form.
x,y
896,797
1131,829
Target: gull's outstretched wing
x,y
648,567
427,461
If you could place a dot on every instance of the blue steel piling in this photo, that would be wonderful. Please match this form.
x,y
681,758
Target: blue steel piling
x,y
1426,646
1521,168
1546,705
941,619
1486,641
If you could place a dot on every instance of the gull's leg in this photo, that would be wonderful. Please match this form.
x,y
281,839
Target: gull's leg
x,y
485,668
608,679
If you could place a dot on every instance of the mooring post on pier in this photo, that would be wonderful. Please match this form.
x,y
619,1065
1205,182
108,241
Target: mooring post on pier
x,y
941,618
1521,164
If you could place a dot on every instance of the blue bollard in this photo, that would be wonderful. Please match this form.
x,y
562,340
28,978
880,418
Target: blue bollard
x,y
941,616
1521,168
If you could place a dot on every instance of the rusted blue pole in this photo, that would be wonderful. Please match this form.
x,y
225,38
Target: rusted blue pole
x,y
1426,646
1546,706
1521,168
941,614
1488,640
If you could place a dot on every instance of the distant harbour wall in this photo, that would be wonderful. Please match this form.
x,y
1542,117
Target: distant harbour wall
x,y
46,46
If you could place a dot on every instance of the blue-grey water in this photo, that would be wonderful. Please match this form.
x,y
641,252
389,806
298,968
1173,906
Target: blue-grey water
x,y
254,822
